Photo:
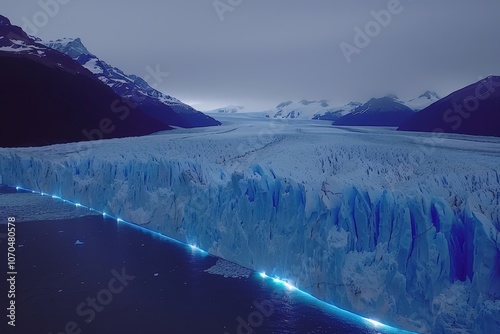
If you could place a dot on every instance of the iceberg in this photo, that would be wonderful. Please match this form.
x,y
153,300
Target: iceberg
x,y
385,224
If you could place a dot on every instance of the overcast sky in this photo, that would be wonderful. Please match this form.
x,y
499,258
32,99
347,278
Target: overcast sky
x,y
258,53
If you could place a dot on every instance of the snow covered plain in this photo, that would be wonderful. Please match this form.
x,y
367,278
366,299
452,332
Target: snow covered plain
x,y
391,225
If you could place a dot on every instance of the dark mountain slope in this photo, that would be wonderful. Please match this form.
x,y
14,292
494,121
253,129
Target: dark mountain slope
x,y
473,110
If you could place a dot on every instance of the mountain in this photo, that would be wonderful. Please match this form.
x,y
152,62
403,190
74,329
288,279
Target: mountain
x,y
158,105
473,110
423,101
324,110
227,110
334,114
385,111
311,109
48,98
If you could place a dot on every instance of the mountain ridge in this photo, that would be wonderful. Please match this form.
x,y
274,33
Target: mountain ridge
x,y
326,110
473,110
158,105
48,98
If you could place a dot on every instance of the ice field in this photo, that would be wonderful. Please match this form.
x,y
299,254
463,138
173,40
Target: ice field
x,y
401,227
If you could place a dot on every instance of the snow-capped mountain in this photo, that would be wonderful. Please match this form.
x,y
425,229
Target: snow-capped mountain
x,y
385,111
423,101
14,42
48,98
473,110
311,109
157,104
325,110
334,114
232,109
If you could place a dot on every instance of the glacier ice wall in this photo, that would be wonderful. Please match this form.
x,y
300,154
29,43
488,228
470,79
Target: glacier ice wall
x,y
410,258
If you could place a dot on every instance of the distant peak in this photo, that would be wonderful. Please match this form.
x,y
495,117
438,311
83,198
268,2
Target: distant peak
x,y
284,104
489,77
67,41
77,41
429,95
4,21
354,103
323,103
393,97
71,46
231,109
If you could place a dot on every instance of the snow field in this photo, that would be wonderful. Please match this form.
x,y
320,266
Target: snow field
x,y
389,225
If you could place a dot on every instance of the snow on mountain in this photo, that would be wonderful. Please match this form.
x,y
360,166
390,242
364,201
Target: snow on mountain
x,y
19,46
232,109
14,40
15,43
386,111
324,110
69,46
471,110
423,101
49,98
110,75
310,109
159,105
386,224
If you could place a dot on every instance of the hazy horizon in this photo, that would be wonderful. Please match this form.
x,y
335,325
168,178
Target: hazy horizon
x,y
260,53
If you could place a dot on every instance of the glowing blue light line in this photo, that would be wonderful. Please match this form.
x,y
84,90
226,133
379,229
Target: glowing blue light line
x,y
194,248
366,321
285,283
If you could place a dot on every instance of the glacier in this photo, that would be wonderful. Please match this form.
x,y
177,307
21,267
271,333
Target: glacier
x,y
393,226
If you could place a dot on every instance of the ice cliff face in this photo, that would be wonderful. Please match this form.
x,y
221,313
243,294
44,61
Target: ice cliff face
x,y
337,213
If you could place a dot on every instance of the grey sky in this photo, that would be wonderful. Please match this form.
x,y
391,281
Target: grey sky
x,y
268,51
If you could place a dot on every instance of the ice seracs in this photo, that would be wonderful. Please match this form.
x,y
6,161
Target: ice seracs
x,y
409,242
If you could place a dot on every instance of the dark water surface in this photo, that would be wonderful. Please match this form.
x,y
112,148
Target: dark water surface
x,y
119,279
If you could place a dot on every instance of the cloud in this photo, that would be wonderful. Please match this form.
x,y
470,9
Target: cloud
x,y
264,52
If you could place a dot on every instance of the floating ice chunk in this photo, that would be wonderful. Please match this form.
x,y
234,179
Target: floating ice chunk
x,y
229,269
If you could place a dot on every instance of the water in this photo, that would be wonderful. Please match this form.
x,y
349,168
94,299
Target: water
x,y
68,282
